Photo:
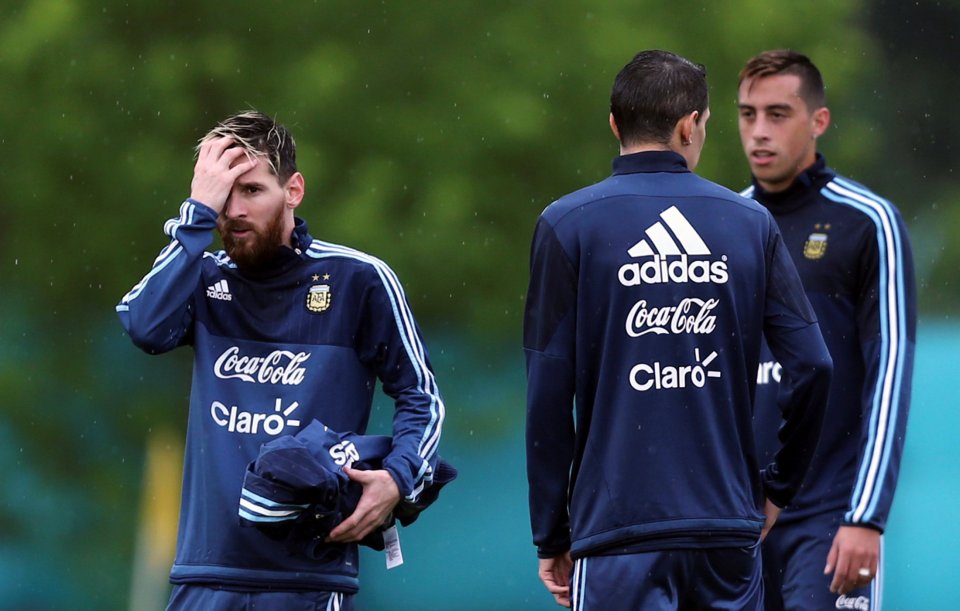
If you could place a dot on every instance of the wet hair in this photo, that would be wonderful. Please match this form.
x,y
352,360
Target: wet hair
x,y
785,61
258,134
654,91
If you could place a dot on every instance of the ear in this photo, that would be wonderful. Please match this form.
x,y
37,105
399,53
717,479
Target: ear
x,y
294,190
613,128
686,126
821,121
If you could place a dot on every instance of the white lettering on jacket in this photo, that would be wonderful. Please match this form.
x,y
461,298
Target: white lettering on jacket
x,y
769,372
659,376
679,270
691,315
237,420
860,603
278,367
344,453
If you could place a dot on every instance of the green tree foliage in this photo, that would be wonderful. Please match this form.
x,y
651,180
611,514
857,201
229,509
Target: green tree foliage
x,y
431,134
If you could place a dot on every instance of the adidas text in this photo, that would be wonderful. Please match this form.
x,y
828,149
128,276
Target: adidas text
x,y
219,290
676,268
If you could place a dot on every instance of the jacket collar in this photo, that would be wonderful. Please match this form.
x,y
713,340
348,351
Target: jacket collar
x,y
649,161
810,179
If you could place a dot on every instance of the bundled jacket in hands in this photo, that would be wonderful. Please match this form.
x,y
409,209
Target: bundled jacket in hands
x,y
296,491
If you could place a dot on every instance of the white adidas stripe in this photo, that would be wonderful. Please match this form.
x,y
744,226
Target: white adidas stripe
x,y
663,243
688,236
412,344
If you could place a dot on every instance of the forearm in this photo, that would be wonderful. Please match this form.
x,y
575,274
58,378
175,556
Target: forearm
x,y
550,436
886,409
417,423
156,312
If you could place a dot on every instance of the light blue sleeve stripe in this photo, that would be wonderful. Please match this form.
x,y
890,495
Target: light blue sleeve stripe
x,y
269,502
403,318
901,321
255,518
167,255
884,412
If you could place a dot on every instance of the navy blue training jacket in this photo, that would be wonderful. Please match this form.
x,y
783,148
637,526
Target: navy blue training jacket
x,y
852,251
273,351
649,295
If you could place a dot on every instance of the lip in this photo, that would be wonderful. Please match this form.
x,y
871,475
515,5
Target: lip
x,y
762,157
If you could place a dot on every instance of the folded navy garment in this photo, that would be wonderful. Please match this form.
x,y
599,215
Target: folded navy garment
x,y
296,490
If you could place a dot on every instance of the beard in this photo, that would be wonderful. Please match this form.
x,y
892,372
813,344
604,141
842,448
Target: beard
x,y
256,250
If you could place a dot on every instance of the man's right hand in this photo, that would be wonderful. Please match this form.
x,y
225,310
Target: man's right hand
x,y
772,512
218,167
555,575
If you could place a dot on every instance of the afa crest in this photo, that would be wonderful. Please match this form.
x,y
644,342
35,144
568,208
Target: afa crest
x,y
815,246
318,298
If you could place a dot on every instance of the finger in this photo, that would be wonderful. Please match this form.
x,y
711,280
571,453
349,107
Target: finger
x,y
357,526
343,532
218,145
212,148
848,566
554,587
232,156
357,475
204,152
561,594
241,168
840,575
831,558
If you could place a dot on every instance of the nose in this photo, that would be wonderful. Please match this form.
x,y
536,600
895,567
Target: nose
x,y
759,129
234,207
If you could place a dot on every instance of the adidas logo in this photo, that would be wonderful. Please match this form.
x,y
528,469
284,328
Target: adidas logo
x,y
219,290
675,255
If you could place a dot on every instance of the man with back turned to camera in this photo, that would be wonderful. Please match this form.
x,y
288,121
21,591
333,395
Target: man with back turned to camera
x,y
286,330
649,294
852,251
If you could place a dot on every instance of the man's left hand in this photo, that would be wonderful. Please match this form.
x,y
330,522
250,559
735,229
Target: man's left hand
x,y
380,496
854,549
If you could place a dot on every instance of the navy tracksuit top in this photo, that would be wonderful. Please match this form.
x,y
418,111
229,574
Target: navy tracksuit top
x,y
305,341
649,294
853,255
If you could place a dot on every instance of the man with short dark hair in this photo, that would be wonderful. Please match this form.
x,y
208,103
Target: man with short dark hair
x,y
286,330
649,294
852,251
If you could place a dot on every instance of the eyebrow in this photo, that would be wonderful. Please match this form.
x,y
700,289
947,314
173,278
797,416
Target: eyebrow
x,y
249,183
768,107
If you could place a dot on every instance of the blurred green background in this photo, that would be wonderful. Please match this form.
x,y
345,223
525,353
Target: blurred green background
x,y
431,134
